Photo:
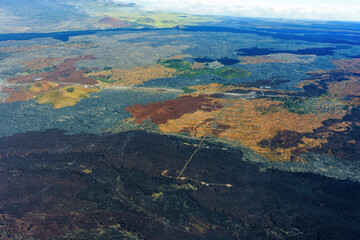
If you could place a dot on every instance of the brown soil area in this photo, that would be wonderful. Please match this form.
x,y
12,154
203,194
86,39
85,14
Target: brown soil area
x,y
161,112
114,22
40,63
134,76
352,65
17,94
28,92
64,72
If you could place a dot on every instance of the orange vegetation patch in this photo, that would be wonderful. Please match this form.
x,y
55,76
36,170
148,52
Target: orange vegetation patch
x,y
64,72
238,120
352,65
340,127
342,83
41,63
258,60
220,88
162,112
341,90
213,87
134,76
250,126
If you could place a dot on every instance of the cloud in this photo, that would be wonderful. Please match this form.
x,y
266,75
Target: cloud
x,y
268,9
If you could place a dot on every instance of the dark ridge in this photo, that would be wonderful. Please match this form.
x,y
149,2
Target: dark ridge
x,y
313,90
356,56
65,35
352,38
217,95
228,61
203,60
284,139
265,51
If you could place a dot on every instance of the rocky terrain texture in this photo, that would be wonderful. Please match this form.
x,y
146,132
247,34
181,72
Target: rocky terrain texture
x,y
57,186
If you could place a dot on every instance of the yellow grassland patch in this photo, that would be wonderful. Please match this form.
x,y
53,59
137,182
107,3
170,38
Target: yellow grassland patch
x,y
41,87
66,96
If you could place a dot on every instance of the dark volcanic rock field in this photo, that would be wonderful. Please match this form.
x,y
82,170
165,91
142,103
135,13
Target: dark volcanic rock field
x,y
62,186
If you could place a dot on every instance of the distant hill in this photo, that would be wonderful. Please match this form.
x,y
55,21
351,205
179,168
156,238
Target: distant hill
x,y
114,22
40,11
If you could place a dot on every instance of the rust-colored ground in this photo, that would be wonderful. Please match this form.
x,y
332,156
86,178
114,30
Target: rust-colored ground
x,y
41,63
64,72
346,65
17,94
243,121
21,93
262,125
162,112
114,22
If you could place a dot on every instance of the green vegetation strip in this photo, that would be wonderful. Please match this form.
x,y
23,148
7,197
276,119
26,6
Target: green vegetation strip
x,y
184,68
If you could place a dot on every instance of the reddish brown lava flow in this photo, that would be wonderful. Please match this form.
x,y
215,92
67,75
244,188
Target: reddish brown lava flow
x,y
161,112
64,72
16,94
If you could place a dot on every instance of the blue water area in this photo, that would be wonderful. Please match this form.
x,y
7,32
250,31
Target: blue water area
x,y
356,56
91,115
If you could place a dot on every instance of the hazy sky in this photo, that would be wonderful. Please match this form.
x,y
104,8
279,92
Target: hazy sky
x,y
292,9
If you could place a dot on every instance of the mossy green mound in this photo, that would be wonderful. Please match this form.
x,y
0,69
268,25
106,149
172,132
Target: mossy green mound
x,y
178,64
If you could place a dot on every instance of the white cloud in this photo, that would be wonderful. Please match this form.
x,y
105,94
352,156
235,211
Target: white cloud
x,y
315,9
